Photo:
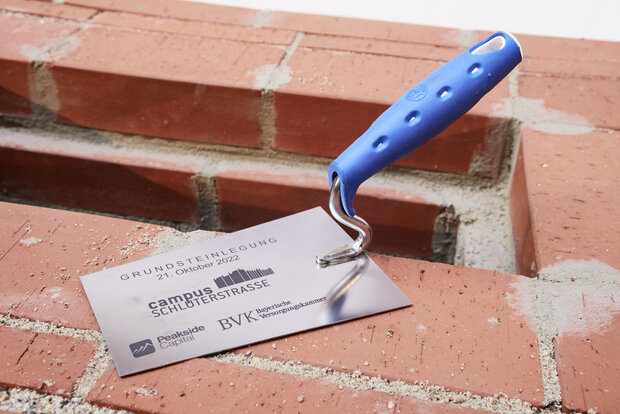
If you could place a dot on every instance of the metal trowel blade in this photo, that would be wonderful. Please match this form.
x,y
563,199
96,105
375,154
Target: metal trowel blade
x,y
244,287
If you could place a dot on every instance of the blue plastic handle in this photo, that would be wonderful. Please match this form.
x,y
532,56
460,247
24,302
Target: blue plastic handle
x,y
425,111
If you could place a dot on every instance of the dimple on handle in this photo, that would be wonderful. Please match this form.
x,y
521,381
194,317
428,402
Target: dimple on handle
x,y
425,111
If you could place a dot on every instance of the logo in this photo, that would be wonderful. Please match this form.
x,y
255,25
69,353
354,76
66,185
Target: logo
x,y
417,93
142,348
179,337
240,276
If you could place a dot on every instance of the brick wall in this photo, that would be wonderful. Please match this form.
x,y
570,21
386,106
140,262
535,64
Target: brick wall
x,y
188,116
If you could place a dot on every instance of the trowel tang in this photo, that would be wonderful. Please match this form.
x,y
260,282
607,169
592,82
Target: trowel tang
x,y
420,114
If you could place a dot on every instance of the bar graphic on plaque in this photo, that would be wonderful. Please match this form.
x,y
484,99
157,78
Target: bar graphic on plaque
x,y
240,276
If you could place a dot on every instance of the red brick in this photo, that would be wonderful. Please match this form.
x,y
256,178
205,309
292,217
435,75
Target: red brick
x,y
415,406
154,84
570,184
468,146
380,47
23,41
333,98
567,67
202,385
193,28
461,333
402,222
44,251
570,56
15,94
186,10
377,79
343,26
41,361
39,8
589,367
89,178
566,185
595,100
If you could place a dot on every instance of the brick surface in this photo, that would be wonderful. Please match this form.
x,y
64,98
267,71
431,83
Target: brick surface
x,y
461,333
379,47
594,100
355,77
342,26
185,10
39,8
201,385
570,56
338,96
154,84
402,222
73,176
411,405
44,251
570,184
44,362
193,28
15,94
23,41
589,367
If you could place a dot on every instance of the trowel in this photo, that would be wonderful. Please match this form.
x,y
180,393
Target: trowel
x,y
422,113
271,280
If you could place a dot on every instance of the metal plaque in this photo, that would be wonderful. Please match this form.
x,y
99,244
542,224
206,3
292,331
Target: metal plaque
x,y
244,287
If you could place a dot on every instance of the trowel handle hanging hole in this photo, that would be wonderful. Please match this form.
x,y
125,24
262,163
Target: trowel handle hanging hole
x,y
491,45
413,118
